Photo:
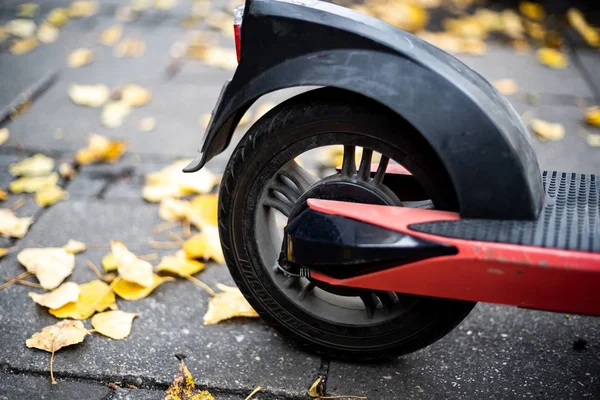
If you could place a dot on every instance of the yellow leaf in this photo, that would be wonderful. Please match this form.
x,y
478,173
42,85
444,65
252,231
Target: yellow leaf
x,y
506,86
66,293
75,246
13,226
466,27
80,57
221,57
552,58
593,139
132,291
164,4
50,265
136,95
179,264
535,30
532,10
130,47
24,45
404,15
203,211
111,35
54,337
50,195
36,165
592,116
66,170
32,184
205,245
147,124
4,134
3,251
22,28
3,195
100,149
548,130
512,25
83,8
108,263
114,324
229,303
114,113
28,10
48,33
131,268
171,181
58,17
89,95
184,387
93,296
174,209
579,23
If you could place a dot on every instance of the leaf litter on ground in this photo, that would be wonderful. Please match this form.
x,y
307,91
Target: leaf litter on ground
x,y
50,265
94,296
114,324
183,386
13,226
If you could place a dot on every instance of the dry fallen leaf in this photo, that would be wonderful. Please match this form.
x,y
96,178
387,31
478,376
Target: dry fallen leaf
x,y
171,181
36,165
548,130
89,95
593,139
50,195
512,25
66,293
171,209
94,296
203,211
506,87
111,35
114,113
531,10
205,245
58,17
164,4
108,263
131,268
12,226
3,251
66,170
24,45
132,291
179,264
28,10
100,149
21,27
552,58
229,303
130,47
114,324
50,265
4,135
579,23
32,184
48,33
136,95
80,57
83,8
75,246
592,116
54,337
147,124
184,388
3,195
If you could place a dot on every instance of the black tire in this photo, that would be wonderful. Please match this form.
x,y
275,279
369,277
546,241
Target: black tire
x,y
315,115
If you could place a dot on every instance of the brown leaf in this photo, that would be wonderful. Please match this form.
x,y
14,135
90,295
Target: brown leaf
x,y
184,387
66,293
227,304
13,226
3,195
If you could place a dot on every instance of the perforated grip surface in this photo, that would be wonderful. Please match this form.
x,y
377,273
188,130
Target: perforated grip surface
x,y
570,219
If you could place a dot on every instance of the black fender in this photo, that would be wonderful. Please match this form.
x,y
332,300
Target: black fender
x,y
475,132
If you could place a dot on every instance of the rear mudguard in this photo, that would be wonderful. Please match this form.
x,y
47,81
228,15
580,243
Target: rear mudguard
x,y
476,133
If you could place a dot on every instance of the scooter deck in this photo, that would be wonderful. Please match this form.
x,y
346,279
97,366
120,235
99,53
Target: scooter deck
x,y
570,219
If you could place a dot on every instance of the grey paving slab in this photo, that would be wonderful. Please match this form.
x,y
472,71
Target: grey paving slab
x,y
236,355
20,386
497,353
590,62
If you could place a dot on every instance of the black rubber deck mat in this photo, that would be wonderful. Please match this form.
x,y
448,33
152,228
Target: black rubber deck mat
x,y
570,219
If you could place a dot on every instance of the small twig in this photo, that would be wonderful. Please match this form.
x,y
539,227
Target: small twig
x,y
52,364
253,393
163,226
10,281
27,283
148,257
164,245
94,269
187,228
175,237
201,284
20,202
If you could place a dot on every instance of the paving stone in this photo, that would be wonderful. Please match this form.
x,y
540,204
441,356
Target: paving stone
x,y
497,352
21,386
235,355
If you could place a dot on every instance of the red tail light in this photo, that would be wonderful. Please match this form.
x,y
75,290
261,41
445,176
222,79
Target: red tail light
x,y
238,14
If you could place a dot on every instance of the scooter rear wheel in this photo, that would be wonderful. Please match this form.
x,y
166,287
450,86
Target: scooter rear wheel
x,y
263,181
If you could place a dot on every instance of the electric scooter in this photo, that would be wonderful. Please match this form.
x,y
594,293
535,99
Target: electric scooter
x,y
438,202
